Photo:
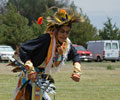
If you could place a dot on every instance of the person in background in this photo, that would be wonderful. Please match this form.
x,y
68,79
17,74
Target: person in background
x,y
49,51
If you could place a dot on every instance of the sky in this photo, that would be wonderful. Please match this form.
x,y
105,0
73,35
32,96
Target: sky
x,y
99,10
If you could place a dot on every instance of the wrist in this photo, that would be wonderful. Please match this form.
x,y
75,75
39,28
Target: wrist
x,y
77,67
29,66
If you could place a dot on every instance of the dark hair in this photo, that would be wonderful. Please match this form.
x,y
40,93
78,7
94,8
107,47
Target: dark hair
x,y
59,26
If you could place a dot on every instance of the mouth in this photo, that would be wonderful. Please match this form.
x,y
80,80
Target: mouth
x,y
63,38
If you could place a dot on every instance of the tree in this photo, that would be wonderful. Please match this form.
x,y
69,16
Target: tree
x,y
109,31
32,9
14,28
83,31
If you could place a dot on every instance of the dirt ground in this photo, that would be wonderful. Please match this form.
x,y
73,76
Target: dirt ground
x,y
4,69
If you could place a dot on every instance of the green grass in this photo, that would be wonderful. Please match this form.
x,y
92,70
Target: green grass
x,y
97,82
7,85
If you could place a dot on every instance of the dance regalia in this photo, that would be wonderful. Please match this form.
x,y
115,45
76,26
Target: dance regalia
x,y
44,55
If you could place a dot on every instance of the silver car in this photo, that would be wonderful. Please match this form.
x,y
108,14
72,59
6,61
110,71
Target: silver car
x,y
6,52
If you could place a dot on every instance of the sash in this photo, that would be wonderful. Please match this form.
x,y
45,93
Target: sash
x,y
51,54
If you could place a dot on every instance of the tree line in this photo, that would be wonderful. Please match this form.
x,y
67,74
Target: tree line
x,y
18,22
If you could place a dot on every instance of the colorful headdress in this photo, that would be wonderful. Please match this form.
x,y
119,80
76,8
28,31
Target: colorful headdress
x,y
62,17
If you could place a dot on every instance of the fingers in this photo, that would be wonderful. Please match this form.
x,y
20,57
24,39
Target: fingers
x,y
76,77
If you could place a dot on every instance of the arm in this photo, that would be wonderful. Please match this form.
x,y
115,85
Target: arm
x,y
75,57
30,53
30,49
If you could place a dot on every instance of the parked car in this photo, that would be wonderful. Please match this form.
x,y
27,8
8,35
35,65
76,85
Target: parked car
x,y
6,52
104,50
85,55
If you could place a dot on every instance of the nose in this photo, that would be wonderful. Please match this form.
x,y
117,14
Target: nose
x,y
65,34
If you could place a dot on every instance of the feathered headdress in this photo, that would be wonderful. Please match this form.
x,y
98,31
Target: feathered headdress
x,y
63,17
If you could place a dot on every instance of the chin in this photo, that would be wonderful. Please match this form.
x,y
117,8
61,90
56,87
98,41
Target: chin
x,y
62,41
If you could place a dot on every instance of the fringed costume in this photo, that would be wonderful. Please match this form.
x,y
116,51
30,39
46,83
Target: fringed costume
x,y
46,53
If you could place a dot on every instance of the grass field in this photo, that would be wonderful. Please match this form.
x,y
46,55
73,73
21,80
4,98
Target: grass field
x,y
97,82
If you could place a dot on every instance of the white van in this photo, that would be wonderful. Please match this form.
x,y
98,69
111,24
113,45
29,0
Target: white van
x,y
104,49
6,52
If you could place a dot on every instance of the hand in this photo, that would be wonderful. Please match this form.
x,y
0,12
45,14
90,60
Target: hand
x,y
76,73
75,77
32,76
30,70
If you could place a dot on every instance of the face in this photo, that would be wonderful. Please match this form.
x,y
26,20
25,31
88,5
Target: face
x,y
63,33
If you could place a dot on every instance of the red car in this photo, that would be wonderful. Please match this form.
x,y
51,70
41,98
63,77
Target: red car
x,y
85,55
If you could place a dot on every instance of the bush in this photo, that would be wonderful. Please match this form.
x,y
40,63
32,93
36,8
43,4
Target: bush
x,y
109,67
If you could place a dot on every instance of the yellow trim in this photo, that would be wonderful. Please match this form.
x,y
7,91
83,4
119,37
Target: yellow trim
x,y
33,91
58,20
49,54
77,67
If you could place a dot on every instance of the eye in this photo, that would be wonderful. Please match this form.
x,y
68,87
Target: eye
x,y
68,32
62,31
